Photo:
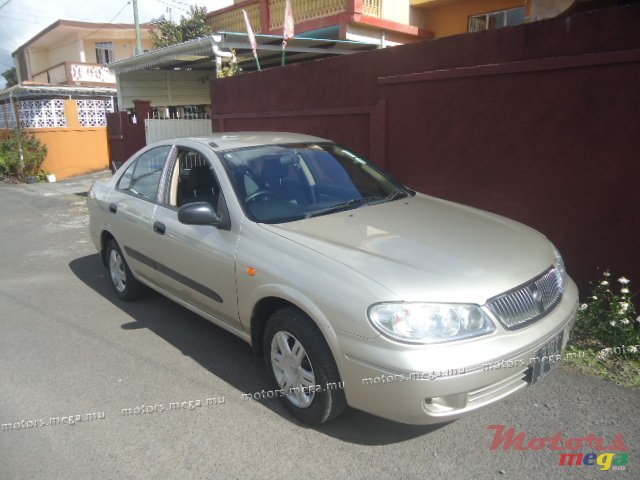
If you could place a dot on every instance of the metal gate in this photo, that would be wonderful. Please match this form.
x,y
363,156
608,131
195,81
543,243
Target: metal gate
x,y
161,129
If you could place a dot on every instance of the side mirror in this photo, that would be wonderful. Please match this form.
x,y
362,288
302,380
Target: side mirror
x,y
199,213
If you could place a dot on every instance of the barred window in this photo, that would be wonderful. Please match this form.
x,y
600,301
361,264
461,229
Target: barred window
x,y
104,52
10,115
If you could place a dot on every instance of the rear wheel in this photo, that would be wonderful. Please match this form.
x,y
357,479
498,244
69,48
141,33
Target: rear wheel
x,y
301,366
123,281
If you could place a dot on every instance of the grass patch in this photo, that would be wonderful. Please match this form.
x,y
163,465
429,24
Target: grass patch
x,y
619,369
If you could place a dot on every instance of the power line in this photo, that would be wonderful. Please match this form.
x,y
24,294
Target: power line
x,y
12,19
5,4
172,6
104,25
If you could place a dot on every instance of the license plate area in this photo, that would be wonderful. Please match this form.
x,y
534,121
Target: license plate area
x,y
544,360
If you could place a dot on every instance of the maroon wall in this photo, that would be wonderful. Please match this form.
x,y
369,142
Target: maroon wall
x,y
539,123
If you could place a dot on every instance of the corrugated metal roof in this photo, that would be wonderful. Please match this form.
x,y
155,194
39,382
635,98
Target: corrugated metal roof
x,y
25,91
198,54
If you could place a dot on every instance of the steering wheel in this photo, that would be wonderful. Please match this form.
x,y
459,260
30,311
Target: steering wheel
x,y
259,193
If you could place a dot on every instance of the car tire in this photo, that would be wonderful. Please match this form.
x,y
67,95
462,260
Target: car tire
x,y
126,286
296,355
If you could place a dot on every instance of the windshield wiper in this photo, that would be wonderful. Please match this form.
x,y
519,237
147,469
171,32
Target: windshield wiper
x,y
397,193
351,203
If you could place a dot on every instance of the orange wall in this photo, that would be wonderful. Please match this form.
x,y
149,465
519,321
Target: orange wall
x,y
71,151
74,151
452,19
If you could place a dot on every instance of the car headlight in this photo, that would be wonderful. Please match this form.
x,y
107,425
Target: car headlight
x,y
561,272
429,322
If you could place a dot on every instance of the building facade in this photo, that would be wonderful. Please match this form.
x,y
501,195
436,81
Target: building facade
x,y
76,53
385,22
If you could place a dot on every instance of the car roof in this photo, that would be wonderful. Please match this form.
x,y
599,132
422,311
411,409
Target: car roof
x,y
233,140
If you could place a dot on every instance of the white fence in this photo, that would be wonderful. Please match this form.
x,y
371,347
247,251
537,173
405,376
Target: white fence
x,y
163,129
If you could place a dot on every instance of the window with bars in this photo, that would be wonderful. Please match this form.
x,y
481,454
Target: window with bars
x,y
93,113
497,19
42,114
4,120
104,52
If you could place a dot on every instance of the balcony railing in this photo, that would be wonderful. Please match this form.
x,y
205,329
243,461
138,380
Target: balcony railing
x,y
372,8
304,10
72,73
230,19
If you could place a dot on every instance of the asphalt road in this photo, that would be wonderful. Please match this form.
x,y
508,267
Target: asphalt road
x,y
69,347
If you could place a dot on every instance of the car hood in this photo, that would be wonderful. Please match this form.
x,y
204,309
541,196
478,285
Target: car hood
x,y
427,249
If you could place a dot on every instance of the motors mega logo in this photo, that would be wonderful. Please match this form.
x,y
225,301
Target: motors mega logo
x,y
610,457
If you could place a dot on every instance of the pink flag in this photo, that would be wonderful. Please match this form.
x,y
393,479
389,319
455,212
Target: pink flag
x,y
252,38
287,31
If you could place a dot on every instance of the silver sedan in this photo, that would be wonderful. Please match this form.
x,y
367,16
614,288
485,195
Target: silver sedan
x,y
355,289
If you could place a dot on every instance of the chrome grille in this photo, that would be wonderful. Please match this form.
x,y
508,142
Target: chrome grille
x,y
526,304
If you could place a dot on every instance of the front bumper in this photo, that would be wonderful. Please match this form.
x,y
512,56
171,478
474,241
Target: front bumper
x,y
437,383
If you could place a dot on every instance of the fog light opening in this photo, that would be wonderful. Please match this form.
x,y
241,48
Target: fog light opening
x,y
446,404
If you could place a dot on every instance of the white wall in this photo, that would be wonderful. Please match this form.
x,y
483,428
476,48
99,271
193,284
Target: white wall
x,y
164,88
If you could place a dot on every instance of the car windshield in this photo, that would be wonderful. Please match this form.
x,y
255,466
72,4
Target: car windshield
x,y
283,183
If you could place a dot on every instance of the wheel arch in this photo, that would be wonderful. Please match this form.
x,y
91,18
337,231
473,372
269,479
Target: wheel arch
x,y
105,237
268,305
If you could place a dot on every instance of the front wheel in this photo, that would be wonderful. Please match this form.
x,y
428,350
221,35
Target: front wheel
x,y
125,284
300,364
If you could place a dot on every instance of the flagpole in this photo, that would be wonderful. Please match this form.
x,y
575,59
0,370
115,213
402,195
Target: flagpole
x,y
252,38
287,29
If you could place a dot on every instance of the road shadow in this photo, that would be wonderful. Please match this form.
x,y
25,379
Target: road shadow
x,y
231,359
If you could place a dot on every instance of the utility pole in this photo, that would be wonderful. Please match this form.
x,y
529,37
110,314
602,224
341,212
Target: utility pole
x,y
137,22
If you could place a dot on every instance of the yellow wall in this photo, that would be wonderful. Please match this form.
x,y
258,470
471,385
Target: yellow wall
x,y
72,50
69,51
452,19
122,48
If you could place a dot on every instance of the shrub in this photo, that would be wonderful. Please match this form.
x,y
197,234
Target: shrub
x,y
33,154
608,318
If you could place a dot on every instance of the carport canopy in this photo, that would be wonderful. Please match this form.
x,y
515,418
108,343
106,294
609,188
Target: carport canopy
x,y
200,54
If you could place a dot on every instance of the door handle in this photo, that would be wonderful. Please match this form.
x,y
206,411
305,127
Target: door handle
x,y
113,208
159,228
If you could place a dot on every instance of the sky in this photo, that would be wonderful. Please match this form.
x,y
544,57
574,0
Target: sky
x,y
22,19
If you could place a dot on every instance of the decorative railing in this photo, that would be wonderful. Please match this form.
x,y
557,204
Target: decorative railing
x,y
69,72
304,10
372,8
89,73
232,19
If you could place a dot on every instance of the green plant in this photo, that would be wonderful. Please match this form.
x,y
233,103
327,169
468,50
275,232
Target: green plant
x,y
42,175
23,144
194,25
607,334
231,69
608,317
